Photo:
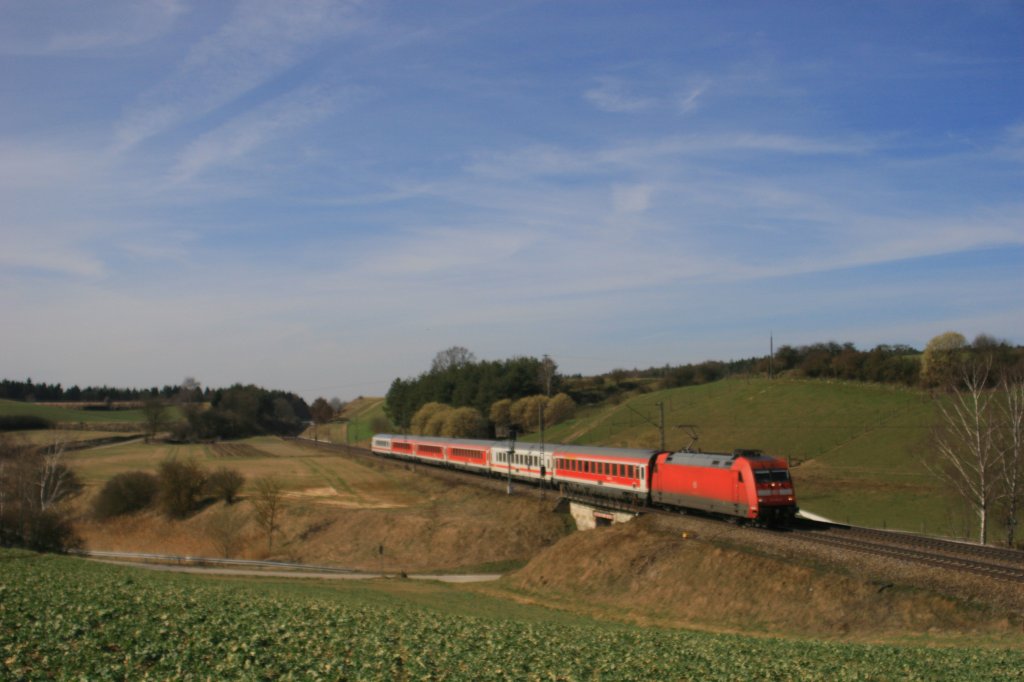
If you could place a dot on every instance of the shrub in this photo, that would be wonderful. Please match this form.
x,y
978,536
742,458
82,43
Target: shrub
x,y
465,422
24,422
225,484
125,493
558,409
181,486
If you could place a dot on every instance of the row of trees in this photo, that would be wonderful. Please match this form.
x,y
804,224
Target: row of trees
x,y
890,364
456,378
27,391
235,412
525,414
178,488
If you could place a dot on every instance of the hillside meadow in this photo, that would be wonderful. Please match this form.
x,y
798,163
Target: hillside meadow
x,y
857,450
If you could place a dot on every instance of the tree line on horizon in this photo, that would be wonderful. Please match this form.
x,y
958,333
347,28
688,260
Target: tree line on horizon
x,y
457,381
29,391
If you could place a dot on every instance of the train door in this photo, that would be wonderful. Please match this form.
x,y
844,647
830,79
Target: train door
x,y
738,495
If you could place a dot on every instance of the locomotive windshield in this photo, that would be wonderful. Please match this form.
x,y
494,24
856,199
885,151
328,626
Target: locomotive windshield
x,y
771,475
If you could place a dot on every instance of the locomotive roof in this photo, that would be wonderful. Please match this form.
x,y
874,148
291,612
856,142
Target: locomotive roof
x,y
722,459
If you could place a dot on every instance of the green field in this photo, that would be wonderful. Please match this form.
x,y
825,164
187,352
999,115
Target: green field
x,y
63,618
356,424
69,416
856,449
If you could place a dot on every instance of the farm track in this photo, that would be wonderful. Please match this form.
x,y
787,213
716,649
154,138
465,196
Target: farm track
x,y
994,562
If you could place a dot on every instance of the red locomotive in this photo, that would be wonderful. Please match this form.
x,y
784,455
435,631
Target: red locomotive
x,y
745,484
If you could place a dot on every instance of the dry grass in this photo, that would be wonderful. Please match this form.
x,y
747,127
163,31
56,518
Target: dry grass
x,y
737,580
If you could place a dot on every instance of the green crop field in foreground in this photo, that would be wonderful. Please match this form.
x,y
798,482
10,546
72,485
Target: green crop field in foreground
x,y
64,618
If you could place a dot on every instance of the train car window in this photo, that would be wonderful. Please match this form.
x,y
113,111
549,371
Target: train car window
x,y
739,476
762,476
780,475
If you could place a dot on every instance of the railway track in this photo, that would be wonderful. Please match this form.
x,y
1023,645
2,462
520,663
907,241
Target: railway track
x,y
994,562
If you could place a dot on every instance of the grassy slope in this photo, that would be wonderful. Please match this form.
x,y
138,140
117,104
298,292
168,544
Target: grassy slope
x,y
357,427
856,448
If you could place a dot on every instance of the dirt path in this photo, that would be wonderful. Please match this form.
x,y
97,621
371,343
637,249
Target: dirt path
x,y
449,578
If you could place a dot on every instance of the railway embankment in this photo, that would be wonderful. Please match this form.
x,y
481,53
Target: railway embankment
x,y
701,573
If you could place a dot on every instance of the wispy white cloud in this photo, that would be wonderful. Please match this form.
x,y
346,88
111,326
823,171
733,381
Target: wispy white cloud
x,y
27,164
31,250
545,160
689,100
241,135
615,95
261,39
51,27
631,198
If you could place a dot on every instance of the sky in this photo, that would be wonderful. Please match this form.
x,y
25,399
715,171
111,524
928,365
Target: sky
x,y
318,196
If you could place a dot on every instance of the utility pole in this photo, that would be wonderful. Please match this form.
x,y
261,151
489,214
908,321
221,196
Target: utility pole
x,y
661,423
509,455
771,355
661,426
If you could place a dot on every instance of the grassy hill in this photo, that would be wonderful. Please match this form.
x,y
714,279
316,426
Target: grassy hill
x,y
354,425
857,449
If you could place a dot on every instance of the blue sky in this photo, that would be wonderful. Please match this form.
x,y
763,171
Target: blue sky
x,y
319,196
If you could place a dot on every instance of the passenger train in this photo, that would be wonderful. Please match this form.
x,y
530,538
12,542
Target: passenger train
x,y
744,484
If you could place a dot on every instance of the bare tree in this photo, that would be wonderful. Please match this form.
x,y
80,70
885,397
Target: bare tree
x,y
452,358
548,367
56,482
154,416
322,412
966,447
191,391
1011,460
33,484
225,527
267,506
